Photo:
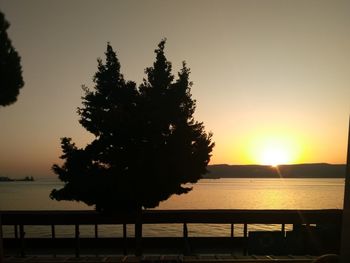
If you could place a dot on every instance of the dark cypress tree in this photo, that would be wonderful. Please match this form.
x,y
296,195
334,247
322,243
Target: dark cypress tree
x,y
147,144
96,173
178,147
11,80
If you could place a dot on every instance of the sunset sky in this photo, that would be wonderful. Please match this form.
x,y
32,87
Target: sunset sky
x,y
271,78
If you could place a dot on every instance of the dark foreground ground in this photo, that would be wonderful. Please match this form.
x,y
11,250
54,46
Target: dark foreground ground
x,y
166,258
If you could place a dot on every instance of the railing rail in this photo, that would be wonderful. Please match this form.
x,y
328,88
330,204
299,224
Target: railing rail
x,y
185,217
222,216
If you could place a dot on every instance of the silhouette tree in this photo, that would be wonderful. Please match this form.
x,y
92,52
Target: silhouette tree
x,y
11,80
147,144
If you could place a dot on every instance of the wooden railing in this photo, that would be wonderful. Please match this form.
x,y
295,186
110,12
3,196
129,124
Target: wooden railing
x,y
21,219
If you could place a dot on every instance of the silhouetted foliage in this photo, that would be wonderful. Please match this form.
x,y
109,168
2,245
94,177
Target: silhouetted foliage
x,y
147,143
11,80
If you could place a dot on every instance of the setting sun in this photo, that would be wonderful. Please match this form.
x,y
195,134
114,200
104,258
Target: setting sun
x,y
272,148
274,156
275,151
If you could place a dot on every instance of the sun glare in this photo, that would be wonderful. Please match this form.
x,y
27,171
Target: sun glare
x,y
273,150
274,156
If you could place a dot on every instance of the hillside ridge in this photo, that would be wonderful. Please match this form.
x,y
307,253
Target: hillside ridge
x,y
309,170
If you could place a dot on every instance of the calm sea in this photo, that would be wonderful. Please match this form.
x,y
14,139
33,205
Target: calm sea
x,y
206,194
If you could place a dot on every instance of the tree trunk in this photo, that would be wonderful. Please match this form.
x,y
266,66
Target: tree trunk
x,y
345,234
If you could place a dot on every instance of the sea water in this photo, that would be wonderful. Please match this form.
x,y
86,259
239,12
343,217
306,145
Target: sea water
x,y
232,193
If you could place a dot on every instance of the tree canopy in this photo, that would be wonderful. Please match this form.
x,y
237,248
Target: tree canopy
x,y
147,144
11,80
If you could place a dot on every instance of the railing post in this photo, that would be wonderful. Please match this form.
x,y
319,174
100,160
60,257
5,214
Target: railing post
x,y
232,236
125,252
187,247
53,237
16,231
53,233
138,232
185,230
1,242
96,231
21,236
245,235
77,241
96,236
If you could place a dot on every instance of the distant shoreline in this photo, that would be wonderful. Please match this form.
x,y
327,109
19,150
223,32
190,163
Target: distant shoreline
x,y
312,170
25,179
217,171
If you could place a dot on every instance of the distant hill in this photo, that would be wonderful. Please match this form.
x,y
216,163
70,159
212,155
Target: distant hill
x,y
312,170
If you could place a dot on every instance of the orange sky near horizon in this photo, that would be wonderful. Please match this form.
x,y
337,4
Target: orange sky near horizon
x,y
273,146
271,78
